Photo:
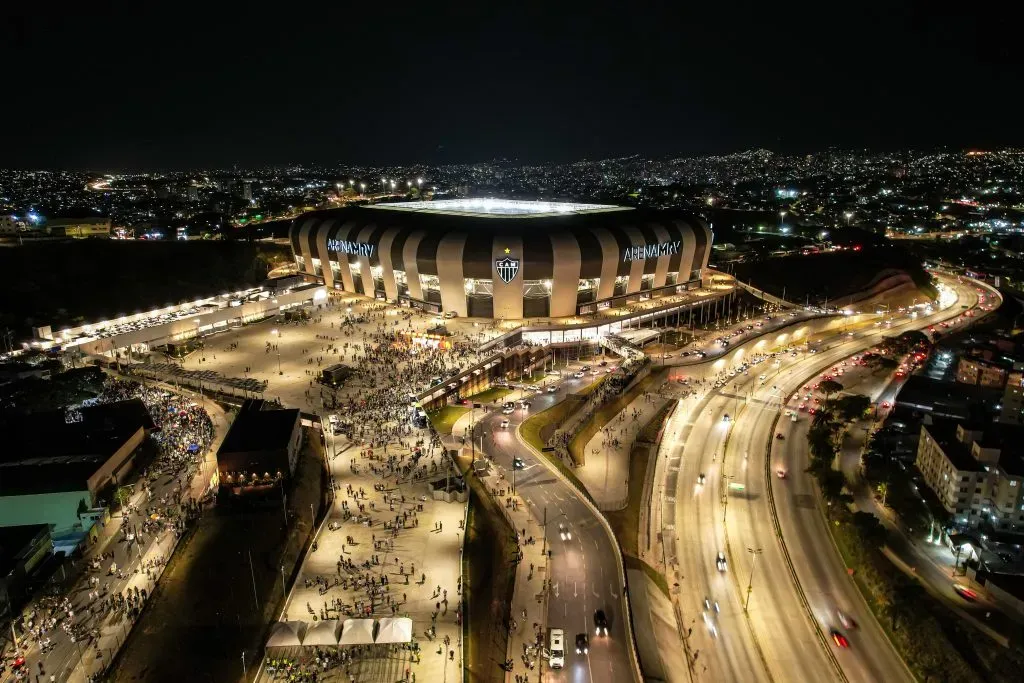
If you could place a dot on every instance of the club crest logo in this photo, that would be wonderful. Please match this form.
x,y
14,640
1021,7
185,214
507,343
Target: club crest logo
x,y
507,268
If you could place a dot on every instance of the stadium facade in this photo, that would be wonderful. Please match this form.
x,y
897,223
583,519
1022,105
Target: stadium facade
x,y
507,259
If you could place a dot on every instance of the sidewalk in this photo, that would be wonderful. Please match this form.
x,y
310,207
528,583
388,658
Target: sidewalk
x,y
606,472
529,603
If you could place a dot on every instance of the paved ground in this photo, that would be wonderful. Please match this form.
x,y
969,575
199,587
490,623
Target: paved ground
x,y
419,558
606,472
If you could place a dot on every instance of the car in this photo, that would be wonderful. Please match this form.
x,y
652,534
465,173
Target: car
x,y
603,363
839,639
792,418
802,406
726,418
504,423
552,389
564,533
578,374
965,592
518,463
779,436
845,619
720,562
700,479
582,644
780,473
600,623
508,410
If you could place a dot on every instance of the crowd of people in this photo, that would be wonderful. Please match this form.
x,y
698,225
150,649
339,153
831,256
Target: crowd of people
x,y
183,431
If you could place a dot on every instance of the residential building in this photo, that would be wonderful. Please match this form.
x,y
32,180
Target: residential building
x,y
79,227
976,472
1011,409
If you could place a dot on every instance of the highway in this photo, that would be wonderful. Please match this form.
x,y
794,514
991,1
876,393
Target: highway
x,y
779,641
583,569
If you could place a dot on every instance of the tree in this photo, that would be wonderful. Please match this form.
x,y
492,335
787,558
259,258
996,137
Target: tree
x,y
872,534
832,483
852,407
905,596
829,387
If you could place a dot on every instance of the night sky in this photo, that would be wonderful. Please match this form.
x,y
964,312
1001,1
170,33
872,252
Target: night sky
x,y
180,87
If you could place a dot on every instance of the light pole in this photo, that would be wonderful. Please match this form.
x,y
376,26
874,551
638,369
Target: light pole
x,y
750,584
849,215
782,217
245,671
277,347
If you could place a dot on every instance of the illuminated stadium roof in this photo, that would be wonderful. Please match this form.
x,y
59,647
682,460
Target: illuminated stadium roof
x,y
498,208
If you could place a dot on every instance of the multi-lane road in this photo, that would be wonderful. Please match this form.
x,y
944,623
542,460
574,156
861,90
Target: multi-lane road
x,y
799,580
583,569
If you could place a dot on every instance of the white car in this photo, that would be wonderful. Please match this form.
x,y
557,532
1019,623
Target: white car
x,y
720,562
552,389
504,424
578,375
564,533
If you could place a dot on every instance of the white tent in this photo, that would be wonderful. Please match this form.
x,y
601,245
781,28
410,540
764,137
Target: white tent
x,y
323,632
286,634
357,632
394,630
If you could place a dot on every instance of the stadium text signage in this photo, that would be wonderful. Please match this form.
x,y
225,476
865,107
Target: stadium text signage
x,y
650,251
346,247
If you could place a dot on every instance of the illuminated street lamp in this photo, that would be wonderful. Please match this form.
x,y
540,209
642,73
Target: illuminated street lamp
x,y
782,217
755,552
362,188
278,348
849,215
419,181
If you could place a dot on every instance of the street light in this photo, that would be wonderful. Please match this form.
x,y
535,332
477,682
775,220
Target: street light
x,y
750,584
782,217
277,347
849,215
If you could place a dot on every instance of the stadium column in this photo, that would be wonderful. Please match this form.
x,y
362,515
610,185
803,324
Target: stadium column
x,y
449,273
325,257
384,254
689,242
365,269
342,259
565,283
412,270
636,266
304,244
661,271
508,297
610,257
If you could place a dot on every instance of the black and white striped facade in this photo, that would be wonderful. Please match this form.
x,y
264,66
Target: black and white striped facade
x,y
502,258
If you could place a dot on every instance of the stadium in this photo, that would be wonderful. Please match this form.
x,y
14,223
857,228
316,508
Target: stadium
x,y
503,259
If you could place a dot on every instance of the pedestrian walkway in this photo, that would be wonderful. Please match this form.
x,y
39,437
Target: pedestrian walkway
x,y
606,472
387,548
529,605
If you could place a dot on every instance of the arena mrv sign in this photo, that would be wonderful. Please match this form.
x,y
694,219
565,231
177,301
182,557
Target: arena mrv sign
x,y
347,247
647,251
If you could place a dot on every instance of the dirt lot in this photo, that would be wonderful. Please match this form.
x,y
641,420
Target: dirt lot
x,y
222,588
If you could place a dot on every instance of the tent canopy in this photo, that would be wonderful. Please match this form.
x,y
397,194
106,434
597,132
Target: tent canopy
x,y
394,630
323,633
357,632
286,634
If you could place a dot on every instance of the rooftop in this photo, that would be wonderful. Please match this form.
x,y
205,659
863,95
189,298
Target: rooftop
x,y
258,427
498,208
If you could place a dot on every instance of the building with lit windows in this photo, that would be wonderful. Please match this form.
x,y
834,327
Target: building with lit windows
x,y
505,259
977,472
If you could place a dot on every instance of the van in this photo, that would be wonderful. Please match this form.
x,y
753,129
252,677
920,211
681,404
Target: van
x,y
557,660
